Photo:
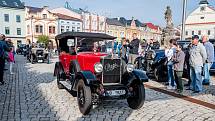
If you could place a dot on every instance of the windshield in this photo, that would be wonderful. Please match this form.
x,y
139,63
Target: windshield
x,y
86,45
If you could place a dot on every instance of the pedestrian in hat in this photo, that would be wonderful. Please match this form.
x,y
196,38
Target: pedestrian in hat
x,y
198,57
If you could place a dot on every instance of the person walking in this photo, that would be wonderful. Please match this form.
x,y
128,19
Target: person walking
x,y
11,60
134,47
178,60
3,49
169,53
198,56
209,61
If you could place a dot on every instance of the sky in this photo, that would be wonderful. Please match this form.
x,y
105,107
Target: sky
x,y
144,10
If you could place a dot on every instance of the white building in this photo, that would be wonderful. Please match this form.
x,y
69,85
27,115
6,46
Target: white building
x,y
68,23
201,21
12,20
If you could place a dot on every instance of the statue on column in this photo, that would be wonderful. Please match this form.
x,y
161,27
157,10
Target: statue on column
x,y
168,31
168,17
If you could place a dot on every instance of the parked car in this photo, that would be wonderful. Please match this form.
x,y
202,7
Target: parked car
x,y
21,49
92,75
38,54
154,63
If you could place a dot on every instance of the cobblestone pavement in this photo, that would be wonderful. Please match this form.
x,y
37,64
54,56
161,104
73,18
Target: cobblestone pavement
x,y
31,94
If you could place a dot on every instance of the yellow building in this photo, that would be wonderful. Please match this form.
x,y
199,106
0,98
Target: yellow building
x,y
115,28
131,27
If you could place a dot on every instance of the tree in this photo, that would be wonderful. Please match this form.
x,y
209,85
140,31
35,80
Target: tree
x,y
43,39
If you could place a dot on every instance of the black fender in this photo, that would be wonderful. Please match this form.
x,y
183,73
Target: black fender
x,y
87,76
58,66
136,76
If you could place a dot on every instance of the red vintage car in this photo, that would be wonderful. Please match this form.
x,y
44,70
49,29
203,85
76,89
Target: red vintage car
x,y
90,73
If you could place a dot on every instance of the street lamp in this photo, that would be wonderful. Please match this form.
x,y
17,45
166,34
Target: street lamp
x,y
183,19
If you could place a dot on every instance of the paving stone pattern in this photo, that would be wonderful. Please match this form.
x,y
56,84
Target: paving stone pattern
x,y
31,94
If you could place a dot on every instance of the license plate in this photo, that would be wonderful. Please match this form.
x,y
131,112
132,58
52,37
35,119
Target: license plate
x,y
116,92
40,61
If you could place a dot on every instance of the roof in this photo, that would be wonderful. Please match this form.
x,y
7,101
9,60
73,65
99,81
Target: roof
x,y
151,26
114,21
126,22
34,9
84,35
65,17
12,4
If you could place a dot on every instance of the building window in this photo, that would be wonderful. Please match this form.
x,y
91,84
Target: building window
x,y
51,29
62,21
187,33
7,30
4,3
199,32
15,3
18,30
73,28
18,18
62,29
78,29
68,22
193,32
209,32
44,16
6,17
67,28
39,29
202,17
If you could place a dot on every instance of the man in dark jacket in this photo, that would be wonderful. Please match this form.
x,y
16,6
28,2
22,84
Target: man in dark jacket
x,y
3,49
134,47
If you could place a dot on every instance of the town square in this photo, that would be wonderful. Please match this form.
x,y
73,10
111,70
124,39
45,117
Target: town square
x,y
107,61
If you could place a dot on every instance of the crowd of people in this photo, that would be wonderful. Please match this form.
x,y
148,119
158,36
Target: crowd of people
x,y
198,58
6,56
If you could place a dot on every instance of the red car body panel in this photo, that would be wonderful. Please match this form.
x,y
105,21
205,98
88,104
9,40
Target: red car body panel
x,y
86,60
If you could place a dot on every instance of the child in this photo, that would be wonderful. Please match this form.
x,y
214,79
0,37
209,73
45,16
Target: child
x,y
11,60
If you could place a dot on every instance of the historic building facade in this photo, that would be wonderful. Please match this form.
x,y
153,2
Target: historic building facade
x,y
68,23
152,32
40,21
12,20
201,21
132,26
115,28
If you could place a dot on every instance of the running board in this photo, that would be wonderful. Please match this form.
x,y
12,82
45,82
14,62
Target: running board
x,y
66,84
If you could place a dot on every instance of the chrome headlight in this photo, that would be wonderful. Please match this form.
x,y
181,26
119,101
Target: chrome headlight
x,y
98,67
130,67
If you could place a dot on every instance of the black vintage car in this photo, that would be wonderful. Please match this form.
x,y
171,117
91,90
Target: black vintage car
x,y
154,63
93,75
21,49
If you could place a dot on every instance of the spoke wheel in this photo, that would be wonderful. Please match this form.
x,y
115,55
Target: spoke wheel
x,y
137,100
84,97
